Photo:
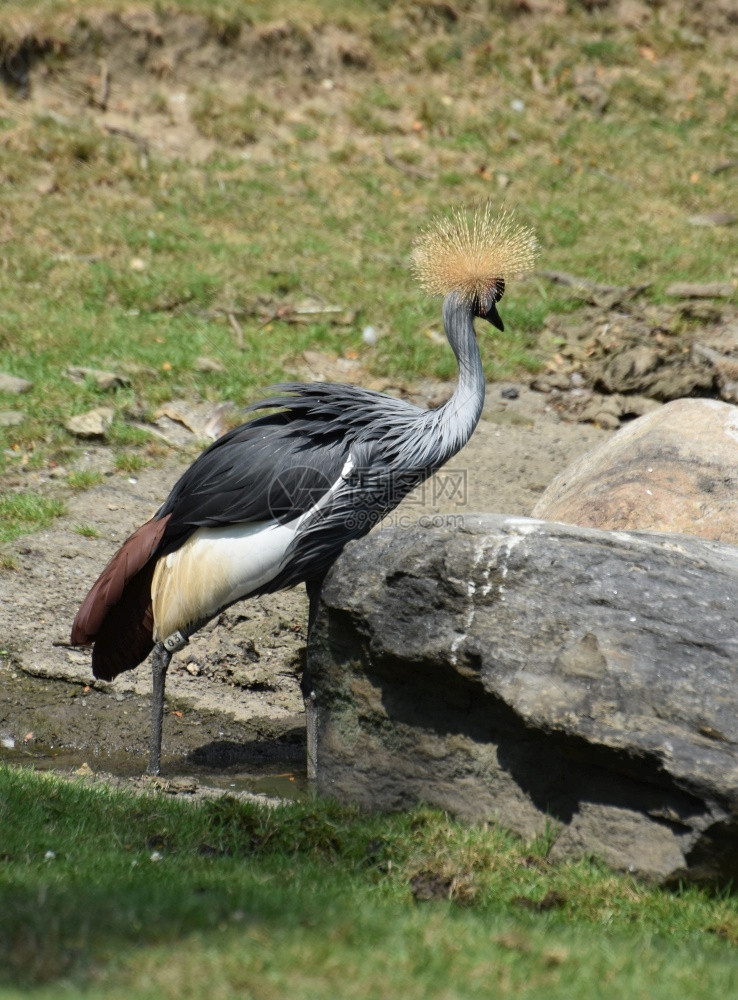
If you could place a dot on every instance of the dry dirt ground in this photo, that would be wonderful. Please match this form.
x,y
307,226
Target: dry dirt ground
x,y
234,713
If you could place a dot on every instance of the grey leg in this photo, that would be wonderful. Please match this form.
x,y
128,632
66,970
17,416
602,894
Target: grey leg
x,y
313,588
311,725
160,658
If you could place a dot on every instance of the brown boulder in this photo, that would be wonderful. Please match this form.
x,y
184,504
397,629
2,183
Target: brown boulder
x,y
675,469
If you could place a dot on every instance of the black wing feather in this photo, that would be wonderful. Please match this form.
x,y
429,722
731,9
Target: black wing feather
x,y
277,465
280,464
258,471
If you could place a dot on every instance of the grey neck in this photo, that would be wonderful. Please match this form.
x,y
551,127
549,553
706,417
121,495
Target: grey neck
x,y
460,415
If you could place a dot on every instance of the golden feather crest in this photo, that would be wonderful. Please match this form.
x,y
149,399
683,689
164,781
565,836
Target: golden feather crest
x,y
468,256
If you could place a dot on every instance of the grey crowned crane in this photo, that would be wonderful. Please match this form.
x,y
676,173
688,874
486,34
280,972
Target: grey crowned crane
x,y
273,502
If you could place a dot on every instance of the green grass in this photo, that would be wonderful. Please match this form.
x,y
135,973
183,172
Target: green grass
x,y
234,123
144,896
84,479
129,462
87,530
26,511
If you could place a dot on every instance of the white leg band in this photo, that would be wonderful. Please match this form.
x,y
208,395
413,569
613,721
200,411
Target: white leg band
x,y
174,642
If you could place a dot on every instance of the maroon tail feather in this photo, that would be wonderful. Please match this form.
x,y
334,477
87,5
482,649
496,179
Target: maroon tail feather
x,y
125,637
116,615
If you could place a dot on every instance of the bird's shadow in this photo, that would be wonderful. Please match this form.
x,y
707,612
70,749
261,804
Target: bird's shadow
x,y
287,749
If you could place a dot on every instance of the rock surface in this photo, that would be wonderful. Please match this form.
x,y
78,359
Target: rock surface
x,y
93,424
13,384
674,469
102,379
512,669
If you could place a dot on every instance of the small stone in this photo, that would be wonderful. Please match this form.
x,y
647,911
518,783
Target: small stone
x,y
713,219
102,379
551,380
181,786
606,420
704,310
13,384
178,420
47,185
94,423
510,392
193,670
11,418
702,290
137,264
594,95
133,368
625,371
205,364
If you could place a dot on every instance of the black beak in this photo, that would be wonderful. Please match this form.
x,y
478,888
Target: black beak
x,y
493,317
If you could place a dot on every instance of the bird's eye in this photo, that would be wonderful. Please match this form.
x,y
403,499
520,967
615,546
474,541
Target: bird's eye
x,y
492,295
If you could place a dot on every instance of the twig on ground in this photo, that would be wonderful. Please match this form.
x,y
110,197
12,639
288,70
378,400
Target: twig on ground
x,y
720,168
405,168
100,99
237,329
141,143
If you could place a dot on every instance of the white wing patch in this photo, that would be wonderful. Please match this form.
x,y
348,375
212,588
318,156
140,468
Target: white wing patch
x,y
213,568
217,566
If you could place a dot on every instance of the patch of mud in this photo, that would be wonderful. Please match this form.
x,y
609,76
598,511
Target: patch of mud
x,y
234,710
138,74
71,727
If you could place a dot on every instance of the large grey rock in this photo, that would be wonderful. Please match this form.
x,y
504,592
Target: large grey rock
x,y
674,469
512,669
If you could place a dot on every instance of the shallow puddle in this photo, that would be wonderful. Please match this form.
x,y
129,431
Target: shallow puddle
x,y
275,779
52,725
